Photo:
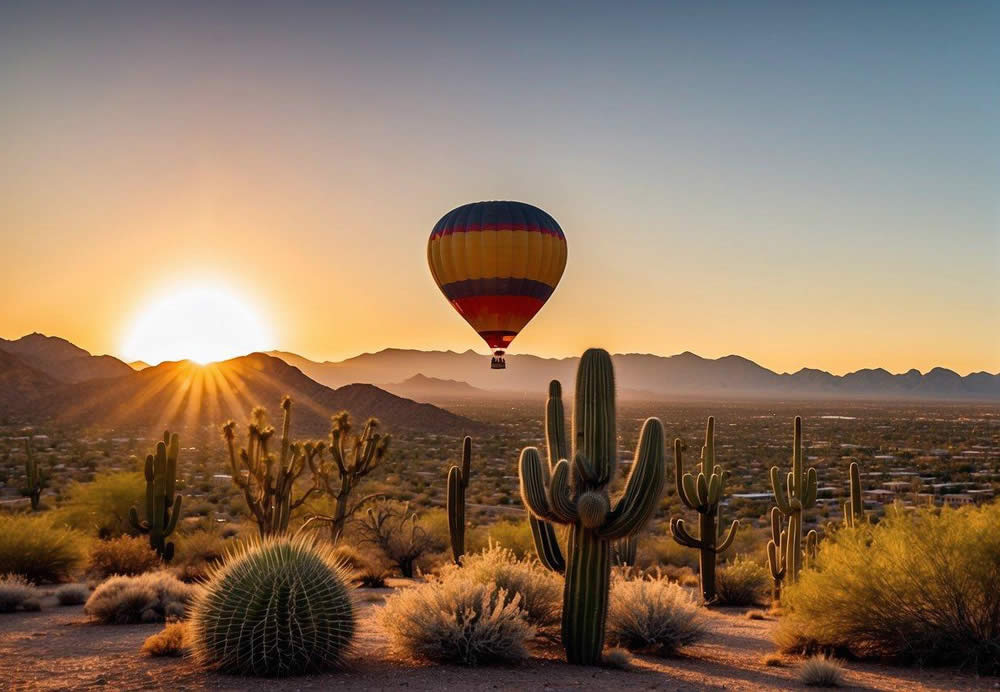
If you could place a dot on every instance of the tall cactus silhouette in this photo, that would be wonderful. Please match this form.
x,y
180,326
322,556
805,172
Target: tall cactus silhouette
x,y
36,479
542,532
576,493
777,549
702,494
793,498
458,482
854,509
163,507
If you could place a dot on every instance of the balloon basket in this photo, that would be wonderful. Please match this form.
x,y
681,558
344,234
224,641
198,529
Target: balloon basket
x,y
498,362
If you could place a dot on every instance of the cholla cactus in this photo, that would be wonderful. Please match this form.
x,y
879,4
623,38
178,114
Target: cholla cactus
x,y
163,507
576,493
458,481
275,607
702,494
777,549
36,479
854,510
268,482
797,495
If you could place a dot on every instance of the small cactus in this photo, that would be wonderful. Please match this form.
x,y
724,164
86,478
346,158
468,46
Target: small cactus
x,y
623,552
854,510
576,493
163,508
702,494
812,548
36,479
777,549
458,481
793,498
276,607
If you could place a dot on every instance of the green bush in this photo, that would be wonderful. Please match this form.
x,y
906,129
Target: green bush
x,y
39,550
538,589
197,553
125,555
456,620
101,506
742,582
919,586
513,535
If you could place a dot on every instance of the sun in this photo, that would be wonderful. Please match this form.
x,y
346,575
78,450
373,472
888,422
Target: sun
x,y
203,322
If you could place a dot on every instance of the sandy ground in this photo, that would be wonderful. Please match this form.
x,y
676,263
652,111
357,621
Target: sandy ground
x,y
59,648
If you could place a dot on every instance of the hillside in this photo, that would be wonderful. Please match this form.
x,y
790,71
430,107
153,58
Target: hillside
x,y
184,395
641,375
21,383
63,360
423,388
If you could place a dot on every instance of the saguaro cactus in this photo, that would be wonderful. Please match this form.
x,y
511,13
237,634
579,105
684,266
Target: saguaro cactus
x,y
163,508
35,478
623,552
812,548
776,554
576,493
458,481
797,495
854,510
702,494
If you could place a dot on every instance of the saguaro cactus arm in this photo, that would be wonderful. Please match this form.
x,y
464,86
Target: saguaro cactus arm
x,y
643,487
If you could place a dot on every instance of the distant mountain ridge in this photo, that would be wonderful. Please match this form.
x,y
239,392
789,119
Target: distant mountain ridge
x,y
61,359
646,375
423,388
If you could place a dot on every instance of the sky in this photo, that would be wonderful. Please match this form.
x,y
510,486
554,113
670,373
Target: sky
x,y
803,184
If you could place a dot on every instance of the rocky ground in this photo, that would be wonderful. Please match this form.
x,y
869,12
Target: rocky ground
x,y
59,648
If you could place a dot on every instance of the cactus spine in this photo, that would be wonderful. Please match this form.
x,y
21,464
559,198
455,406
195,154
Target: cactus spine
x,y
776,554
854,510
702,494
797,495
458,481
576,493
34,475
542,532
163,508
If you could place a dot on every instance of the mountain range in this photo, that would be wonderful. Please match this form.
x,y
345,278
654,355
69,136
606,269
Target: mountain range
x,y
646,376
184,394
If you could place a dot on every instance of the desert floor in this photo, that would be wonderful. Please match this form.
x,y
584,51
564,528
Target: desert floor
x,y
59,648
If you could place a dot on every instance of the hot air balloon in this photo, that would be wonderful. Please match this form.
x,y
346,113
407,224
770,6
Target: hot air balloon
x,y
497,263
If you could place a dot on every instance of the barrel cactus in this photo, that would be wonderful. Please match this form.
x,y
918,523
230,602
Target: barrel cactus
x,y
458,481
275,607
575,493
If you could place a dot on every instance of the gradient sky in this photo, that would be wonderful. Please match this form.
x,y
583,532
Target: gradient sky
x,y
802,185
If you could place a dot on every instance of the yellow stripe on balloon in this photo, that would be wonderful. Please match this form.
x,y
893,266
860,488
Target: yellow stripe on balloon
x,y
490,254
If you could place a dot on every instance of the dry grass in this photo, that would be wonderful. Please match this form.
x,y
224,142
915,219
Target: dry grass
x,y
919,586
151,597
168,642
456,620
756,615
196,554
617,658
772,660
125,555
38,550
653,616
72,594
743,582
16,592
820,671
539,590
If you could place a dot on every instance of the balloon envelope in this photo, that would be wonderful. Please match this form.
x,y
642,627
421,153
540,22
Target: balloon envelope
x,y
497,263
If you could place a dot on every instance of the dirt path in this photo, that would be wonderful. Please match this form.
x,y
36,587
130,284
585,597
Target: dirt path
x,y
58,649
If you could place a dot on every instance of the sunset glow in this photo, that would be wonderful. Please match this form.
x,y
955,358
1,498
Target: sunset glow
x,y
203,323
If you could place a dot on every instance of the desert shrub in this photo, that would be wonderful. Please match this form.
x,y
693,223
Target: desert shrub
x,y
150,597
38,549
539,590
772,660
168,642
742,582
101,506
919,586
291,601
652,616
196,554
15,591
72,594
396,532
31,605
372,575
125,555
456,620
513,535
618,658
661,549
820,671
